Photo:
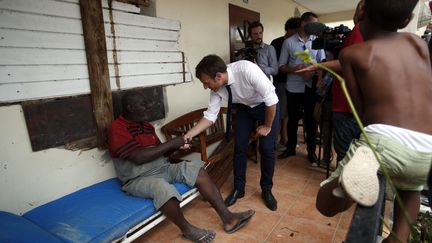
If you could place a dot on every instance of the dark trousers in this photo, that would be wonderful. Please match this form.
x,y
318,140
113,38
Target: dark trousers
x,y
295,101
345,129
246,122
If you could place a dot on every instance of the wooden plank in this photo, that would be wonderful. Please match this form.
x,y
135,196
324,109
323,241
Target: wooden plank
x,y
94,39
138,32
15,92
43,7
147,68
42,73
126,44
31,91
25,21
127,82
23,38
20,56
142,20
35,39
56,122
146,57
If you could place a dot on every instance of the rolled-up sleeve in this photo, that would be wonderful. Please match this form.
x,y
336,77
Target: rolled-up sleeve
x,y
213,108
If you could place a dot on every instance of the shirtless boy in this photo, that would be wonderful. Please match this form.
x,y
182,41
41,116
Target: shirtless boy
x,y
389,78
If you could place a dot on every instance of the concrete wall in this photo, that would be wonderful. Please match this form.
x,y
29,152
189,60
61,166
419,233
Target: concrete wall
x,y
29,179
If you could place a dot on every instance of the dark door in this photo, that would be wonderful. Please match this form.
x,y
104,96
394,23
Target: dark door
x,y
239,19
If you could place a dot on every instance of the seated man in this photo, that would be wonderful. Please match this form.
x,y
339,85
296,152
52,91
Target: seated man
x,y
145,172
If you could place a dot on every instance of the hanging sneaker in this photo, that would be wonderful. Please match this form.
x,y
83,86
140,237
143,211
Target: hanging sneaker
x,y
359,177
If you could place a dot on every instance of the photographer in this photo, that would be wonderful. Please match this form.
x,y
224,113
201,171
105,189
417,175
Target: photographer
x,y
345,128
300,91
265,54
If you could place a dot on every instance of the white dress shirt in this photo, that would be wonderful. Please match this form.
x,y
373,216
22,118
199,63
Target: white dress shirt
x,y
249,86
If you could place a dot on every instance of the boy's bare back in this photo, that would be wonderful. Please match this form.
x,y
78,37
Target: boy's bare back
x,y
390,81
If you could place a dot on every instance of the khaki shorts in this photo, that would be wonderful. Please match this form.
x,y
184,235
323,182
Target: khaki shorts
x,y
407,168
158,183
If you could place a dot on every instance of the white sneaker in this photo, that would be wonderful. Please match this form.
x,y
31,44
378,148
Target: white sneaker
x,y
359,177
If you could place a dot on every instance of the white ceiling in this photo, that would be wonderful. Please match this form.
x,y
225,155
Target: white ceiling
x,y
328,6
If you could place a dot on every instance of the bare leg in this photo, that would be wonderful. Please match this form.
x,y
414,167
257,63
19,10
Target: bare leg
x,y
171,209
210,193
327,203
411,202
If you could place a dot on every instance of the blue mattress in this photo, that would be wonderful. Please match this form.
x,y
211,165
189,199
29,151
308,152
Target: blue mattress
x,y
99,213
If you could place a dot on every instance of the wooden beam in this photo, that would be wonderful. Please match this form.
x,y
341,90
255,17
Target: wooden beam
x,y
97,63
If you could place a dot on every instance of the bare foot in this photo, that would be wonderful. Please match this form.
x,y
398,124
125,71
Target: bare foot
x,y
239,220
199,235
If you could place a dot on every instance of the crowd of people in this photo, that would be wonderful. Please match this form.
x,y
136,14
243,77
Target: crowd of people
x,y
392,96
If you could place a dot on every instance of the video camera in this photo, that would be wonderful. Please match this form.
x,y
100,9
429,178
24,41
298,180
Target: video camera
x,y
247,53
329,39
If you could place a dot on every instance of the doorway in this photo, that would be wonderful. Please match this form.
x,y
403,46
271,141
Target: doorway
x,y
239,19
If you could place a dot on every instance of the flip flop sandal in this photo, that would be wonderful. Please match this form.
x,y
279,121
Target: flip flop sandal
x,y
242,222
206,238
359,177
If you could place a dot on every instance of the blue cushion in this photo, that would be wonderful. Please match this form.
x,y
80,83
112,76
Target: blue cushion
x,y
99,213
16,229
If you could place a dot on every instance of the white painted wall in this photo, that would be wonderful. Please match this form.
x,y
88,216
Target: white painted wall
x,y
29,179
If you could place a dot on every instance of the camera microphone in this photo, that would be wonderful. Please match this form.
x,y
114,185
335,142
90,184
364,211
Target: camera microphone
x,y
315,28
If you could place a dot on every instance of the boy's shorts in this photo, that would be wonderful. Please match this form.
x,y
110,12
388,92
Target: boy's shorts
x,y
158,183
407,168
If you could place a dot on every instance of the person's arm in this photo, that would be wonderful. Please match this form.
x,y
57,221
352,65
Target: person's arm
x,y
265,129
202,125
348,59
333,65
149,154
267,91
272,68
209,116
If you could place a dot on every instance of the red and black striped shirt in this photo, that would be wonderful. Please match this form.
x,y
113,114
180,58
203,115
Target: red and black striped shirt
x,y
126,137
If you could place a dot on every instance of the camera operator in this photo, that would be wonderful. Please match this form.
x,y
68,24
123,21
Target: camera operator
x,y
345,128
265,54
299,88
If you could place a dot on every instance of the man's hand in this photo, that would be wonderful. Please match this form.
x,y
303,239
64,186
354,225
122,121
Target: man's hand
x,y
187,142
262,131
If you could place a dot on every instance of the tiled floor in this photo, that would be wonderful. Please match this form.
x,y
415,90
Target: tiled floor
x,y
296,220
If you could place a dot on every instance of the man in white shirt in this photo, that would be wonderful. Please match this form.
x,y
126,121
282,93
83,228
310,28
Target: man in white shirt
x,y
256,101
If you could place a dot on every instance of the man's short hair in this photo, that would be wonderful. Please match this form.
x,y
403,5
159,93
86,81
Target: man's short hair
x,y
210,65
306,16
254,25
389,14
292,23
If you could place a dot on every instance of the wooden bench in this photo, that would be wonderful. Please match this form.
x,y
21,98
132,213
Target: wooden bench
x,y
219,162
